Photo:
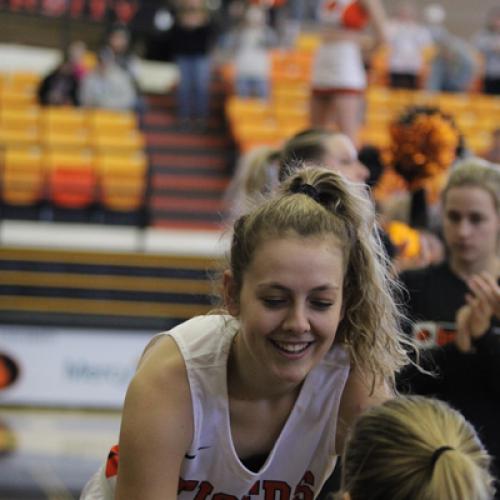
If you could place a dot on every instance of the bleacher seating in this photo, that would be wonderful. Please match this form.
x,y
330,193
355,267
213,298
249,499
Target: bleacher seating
x,y
257,122
70,157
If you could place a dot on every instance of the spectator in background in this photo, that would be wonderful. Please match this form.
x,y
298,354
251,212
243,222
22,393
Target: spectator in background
x,y
408,41
249,45
117,49
456,305
76,54
454,64
256,176
60,86
192,38
108,86
493,152
488,43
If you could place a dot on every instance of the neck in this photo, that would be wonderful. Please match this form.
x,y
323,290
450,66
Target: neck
x,y
467,269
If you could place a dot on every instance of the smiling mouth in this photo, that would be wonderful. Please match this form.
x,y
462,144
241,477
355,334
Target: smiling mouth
x,y
291,347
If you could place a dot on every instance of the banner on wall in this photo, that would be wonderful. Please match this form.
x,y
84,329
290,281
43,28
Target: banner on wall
x,y
66,367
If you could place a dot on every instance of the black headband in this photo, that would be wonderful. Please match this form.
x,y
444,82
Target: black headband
x,y
437,453
306,189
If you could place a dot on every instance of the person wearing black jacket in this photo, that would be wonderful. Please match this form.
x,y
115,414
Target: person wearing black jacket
x,y
455,306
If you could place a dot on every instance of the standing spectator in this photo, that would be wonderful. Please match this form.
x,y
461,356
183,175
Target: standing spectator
x,y
338,75
488,43
250,44
191,38
454,64
408,41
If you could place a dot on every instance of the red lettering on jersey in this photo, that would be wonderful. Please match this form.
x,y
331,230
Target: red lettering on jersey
x,y
271,488
445,336
223,496
254,490
303,491
184,485
112,462
204,490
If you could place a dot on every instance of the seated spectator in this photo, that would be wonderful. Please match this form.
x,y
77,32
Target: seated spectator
x,y
487,42
408,40
108,86
76,54
60,86
455,305
415,448
117,49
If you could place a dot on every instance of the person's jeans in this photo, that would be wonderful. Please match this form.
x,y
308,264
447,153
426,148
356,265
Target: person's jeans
x,y
194,86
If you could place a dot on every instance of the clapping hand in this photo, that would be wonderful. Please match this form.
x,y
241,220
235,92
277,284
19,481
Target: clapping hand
x,y
474,318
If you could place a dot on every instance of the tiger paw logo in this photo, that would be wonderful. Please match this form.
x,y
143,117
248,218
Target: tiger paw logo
x,y
9,371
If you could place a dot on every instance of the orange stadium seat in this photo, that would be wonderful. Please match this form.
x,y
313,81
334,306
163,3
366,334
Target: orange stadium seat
x,y
72,178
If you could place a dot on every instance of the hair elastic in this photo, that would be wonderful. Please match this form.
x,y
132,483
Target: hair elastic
x,y
306,189
437,453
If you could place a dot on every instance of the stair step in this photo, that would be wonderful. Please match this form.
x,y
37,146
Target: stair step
x,y
184,215
195,225
190,205
161,160
191,140
212,193
195,172
162,181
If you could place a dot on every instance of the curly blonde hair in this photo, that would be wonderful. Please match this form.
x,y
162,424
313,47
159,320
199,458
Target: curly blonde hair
x,y
370,328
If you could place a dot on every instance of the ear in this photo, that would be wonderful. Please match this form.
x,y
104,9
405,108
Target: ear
x,y
231,295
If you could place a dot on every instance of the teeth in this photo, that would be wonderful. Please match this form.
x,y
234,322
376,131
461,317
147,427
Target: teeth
x,y
290,347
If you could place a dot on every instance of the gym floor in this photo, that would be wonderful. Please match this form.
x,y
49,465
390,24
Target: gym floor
x,y
50,454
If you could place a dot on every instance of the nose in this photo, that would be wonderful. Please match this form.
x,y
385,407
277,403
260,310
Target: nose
x,y
463,228
362,172
297,321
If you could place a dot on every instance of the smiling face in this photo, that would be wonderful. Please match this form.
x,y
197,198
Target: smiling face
x,y
289,306
471,225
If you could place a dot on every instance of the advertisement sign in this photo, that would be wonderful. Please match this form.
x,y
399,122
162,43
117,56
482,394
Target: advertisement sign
x,y
66,367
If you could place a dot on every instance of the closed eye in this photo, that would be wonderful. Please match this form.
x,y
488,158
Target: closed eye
x,y
321,304
273,303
